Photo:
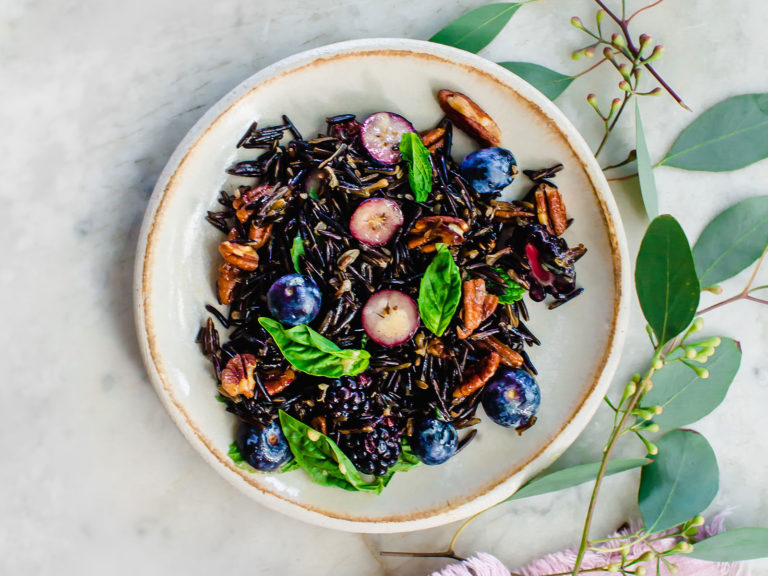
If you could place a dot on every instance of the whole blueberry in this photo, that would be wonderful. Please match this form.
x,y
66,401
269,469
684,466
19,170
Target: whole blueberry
x,y
294,299
434,441
489,169
512,399
263,447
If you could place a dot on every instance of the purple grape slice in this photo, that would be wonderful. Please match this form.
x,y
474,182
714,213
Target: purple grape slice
x,y
381,134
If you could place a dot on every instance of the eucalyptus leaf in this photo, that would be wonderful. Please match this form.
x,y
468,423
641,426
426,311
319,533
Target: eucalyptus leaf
x,y
477,28
665,279
550,83
419,166
573,476
297,251
681,481
312,353
645,168
732,241
733,546
728,136
686,398
439,291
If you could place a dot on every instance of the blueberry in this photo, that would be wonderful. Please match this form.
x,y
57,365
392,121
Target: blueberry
x,y
512,399
294,299
490,169
434,441
263,447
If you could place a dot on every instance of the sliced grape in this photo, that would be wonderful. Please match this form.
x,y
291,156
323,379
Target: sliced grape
x,y
375,221
390,317
381,134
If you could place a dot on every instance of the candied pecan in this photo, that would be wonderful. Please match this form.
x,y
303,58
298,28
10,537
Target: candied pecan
x,y
239,255
478,375
433,139
259,235
469,117
319,423
429,231
541,208
478,306
228,278
555,209
275,383
233,234
508,356
248,197
237,376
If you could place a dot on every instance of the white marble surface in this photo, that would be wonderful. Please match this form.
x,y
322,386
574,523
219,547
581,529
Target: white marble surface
x,y
94,95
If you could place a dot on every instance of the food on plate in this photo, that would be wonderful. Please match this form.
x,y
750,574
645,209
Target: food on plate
x,y
374,289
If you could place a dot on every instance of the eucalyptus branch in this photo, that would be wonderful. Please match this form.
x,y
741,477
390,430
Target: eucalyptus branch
x,y
745,294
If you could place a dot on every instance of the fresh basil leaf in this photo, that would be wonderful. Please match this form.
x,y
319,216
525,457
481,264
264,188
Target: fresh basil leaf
x,y
406,461
733,546
681,481
297,251
645,168
573,476
322,459
550,83
309,352
439,291
474,30
665,279
686,398
732,241
730,135
419,166
236,457
512,290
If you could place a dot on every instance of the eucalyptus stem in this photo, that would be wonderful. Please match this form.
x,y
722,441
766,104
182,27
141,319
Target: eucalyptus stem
x,y
615,434
745,294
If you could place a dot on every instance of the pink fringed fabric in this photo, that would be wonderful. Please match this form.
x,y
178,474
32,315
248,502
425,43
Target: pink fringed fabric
x,y
487,565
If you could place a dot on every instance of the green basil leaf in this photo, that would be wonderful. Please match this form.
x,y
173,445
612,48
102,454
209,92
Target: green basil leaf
x,y
733,546
297,251
309,352
686,398
512,290
240,462
406,461
322,459
665,279
730,135
573,476
474,30
550,83
419,166
645,168
439,291
681,481
732,241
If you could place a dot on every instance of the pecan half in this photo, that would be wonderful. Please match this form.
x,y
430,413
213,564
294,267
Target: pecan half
x,y
429,231
228,277
237,376
435,347
248,197
508,356
478,306
319,423
433,139
239,255
478,375
469,117
259,235
550,208
275,383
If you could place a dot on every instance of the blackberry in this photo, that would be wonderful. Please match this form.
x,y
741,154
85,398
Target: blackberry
x,y
376,451
348,397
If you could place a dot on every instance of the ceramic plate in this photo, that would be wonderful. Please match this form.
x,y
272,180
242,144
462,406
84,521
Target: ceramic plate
x,y
177,260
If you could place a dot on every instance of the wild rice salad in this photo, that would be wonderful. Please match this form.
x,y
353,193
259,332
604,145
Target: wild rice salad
x,y
374,291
